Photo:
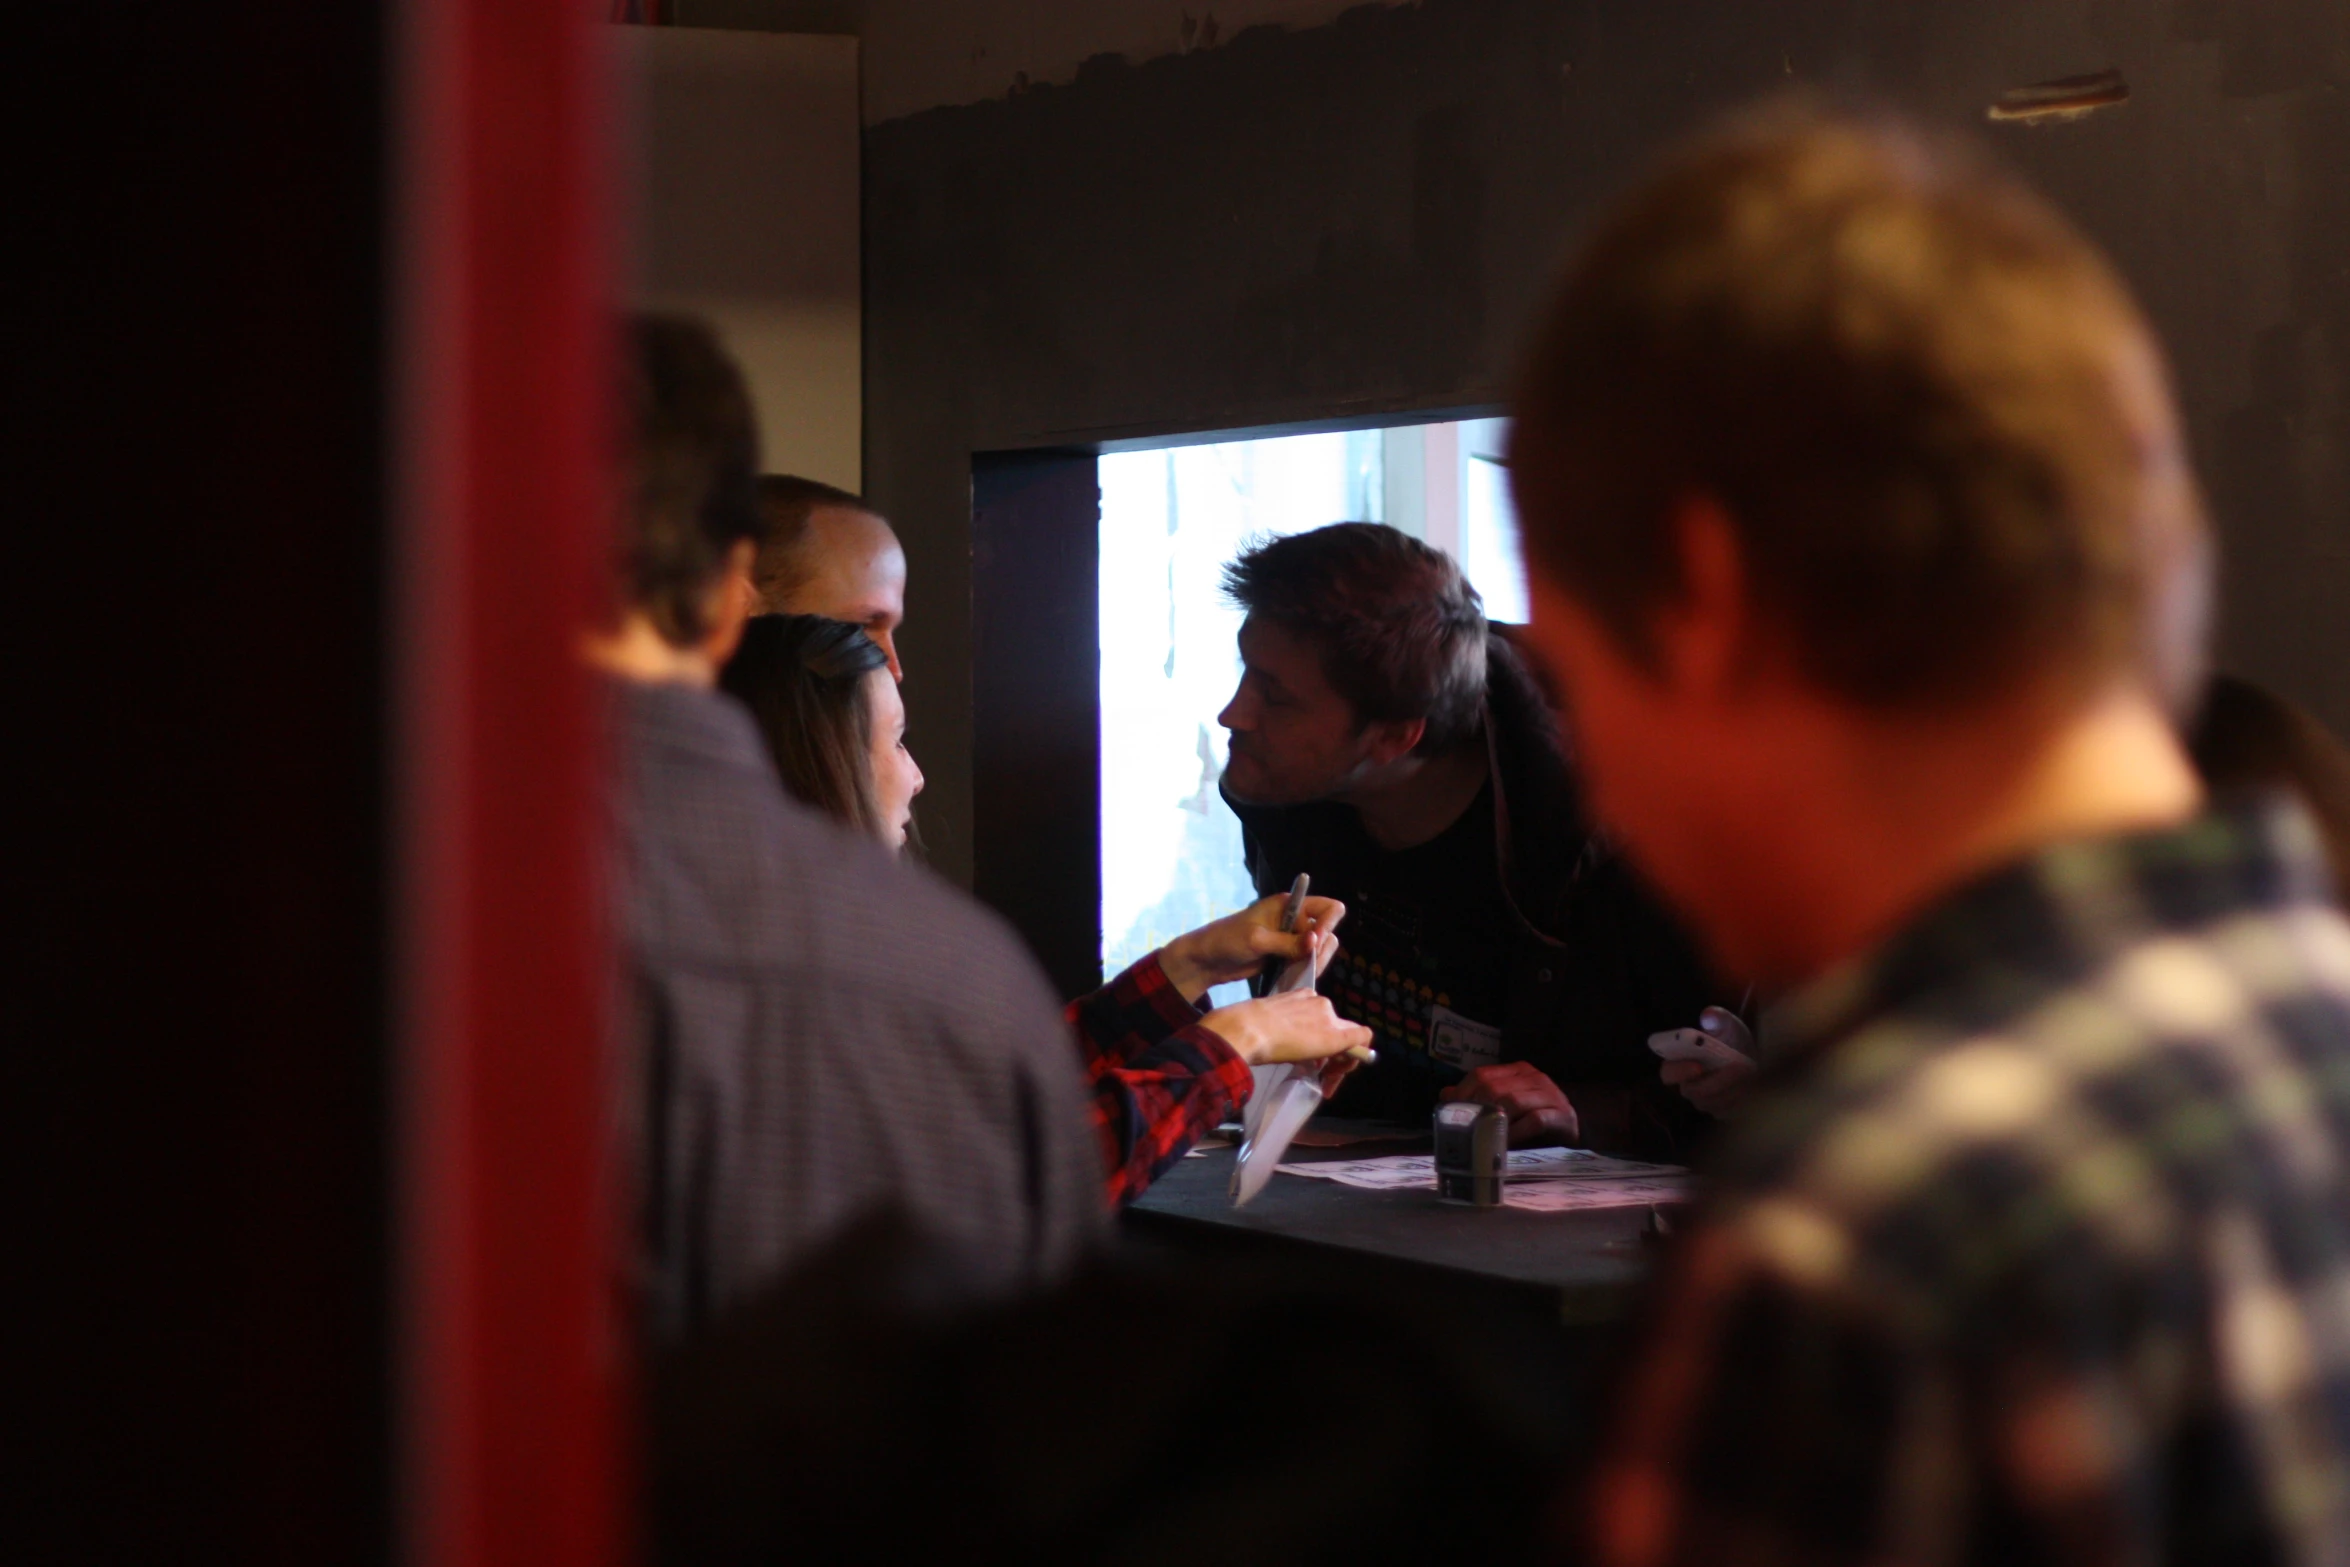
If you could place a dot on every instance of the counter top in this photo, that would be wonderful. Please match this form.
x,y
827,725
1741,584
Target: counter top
x,y
1591,1262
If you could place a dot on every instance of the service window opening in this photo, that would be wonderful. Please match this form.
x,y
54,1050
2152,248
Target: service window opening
x,y
1171,518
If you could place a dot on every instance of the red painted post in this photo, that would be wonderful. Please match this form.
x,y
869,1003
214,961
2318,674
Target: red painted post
x,y
514,1360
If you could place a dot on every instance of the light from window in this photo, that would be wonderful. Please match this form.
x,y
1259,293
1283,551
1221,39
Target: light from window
x,y
1170,521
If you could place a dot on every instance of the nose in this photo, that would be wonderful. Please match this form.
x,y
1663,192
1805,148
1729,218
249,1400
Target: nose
x,y
914,768
1238,713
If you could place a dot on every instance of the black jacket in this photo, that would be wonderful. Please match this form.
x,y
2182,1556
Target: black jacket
x,y
1597,964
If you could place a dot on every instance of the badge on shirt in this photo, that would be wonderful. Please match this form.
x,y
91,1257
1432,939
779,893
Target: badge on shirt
x,y
1462,1042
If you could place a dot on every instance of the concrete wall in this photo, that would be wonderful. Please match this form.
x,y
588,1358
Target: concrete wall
x,y
745,187
1356,218
920,54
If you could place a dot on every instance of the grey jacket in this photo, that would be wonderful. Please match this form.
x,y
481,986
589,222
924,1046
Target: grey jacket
x,y
813,1032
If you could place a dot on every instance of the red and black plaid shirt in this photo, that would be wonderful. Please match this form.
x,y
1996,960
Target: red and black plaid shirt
x,y
1160,1078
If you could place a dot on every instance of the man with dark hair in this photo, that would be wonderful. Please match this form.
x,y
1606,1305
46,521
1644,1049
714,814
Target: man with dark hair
x,y
818,1032
823,551
1389,744
1863,544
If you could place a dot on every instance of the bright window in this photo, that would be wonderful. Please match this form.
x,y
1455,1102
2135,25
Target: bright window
x,y
1171,519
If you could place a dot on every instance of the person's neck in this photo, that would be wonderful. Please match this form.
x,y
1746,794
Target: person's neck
x,y
1906,812
635,651
1413,799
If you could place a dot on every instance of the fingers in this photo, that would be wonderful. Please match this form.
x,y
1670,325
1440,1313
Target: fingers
x,y
1486,1084
1325,950
1340,1036
1548,1125
1325,912
1315,923
1489,1083
1266,911
1334,1072
1298,1026
1716,1090
1519,1102
1538,1109
1265,942
1237,945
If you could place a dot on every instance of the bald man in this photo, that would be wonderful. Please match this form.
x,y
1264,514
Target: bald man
x,y
823,551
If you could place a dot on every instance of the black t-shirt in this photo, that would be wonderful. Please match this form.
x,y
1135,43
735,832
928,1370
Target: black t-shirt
x,y
1424,960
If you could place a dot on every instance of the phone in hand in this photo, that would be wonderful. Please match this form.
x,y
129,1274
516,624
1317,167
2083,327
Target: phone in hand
x,y
1695,1044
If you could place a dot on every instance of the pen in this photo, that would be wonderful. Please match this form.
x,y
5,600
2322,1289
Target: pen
x,y
1288,926
1296,904
1289,913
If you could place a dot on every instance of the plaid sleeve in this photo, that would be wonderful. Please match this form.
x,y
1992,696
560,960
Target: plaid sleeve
x,y
1159,1076
1761,1423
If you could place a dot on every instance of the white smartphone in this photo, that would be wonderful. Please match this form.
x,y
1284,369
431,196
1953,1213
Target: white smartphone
x,y
1695,1044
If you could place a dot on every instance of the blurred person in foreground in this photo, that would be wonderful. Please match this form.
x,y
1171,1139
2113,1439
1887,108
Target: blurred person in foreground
x,y
1388,742
1161,1072
816,1032
1863,543
823,551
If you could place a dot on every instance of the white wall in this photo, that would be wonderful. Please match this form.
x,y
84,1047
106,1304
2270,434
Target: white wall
x,y
745,165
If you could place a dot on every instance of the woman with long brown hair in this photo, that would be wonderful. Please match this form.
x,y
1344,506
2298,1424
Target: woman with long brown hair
x,y
829,710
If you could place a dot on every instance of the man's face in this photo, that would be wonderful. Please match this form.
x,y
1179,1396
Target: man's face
x,y
1294,738
857,574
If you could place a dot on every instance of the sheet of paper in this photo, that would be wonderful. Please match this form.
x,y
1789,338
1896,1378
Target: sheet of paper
x,y
1576,1196
1527,1166
1289,1104
1285,1096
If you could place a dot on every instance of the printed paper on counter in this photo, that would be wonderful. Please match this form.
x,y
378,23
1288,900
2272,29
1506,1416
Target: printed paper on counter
x,y
1529,1166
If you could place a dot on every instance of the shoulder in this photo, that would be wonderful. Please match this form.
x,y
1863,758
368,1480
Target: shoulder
x,y
727,873
1951,1150
891,925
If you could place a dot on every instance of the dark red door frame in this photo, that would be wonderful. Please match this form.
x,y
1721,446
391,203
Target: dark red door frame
x,y
513,1361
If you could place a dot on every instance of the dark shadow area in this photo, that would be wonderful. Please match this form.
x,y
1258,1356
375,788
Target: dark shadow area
x,y
1147,1413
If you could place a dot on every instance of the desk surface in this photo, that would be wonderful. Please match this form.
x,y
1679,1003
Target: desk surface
x,y
1592,1260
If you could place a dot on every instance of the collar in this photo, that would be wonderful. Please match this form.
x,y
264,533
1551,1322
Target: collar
x,y
696,721
2064,909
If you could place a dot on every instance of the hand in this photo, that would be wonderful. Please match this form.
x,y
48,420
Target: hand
x,y
1717,1090
1537,1108
1237,945
1299,1026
